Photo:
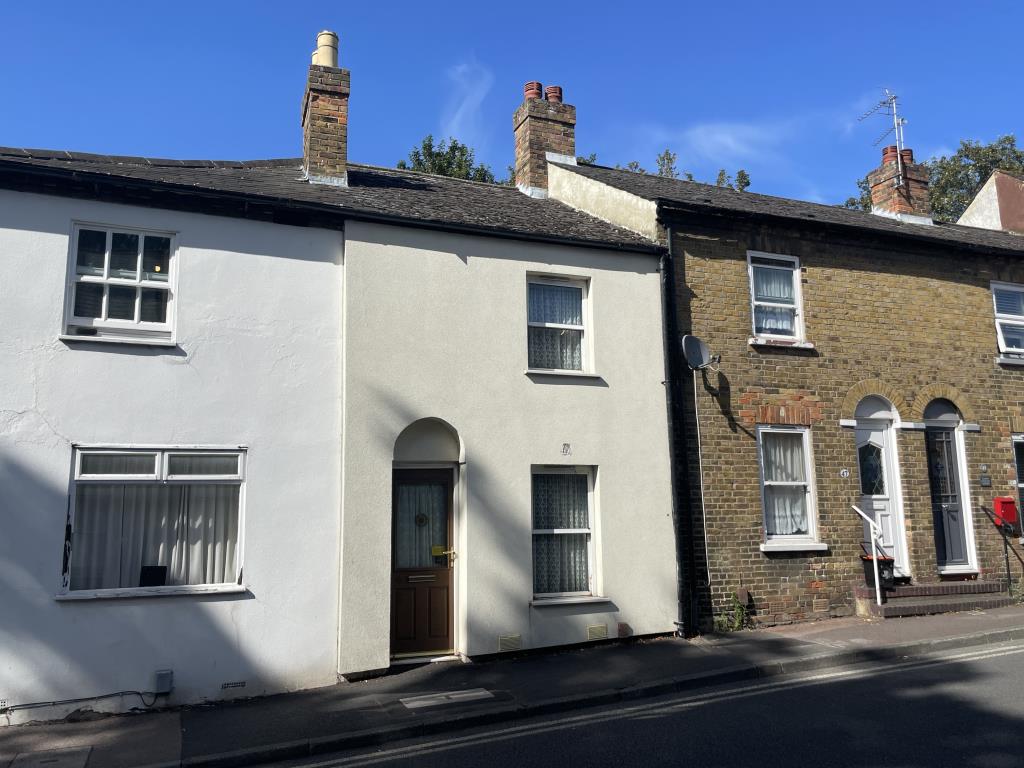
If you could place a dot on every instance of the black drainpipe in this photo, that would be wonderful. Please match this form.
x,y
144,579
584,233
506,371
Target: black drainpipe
x,y
686,572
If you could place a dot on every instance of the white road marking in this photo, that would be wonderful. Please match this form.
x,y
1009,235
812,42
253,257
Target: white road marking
x,y
657,708
452,697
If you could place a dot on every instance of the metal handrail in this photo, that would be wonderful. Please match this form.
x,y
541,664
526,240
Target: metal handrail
x,y
876,532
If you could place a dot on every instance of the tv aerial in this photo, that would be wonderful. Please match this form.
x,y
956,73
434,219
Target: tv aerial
x,y
889,108
697,354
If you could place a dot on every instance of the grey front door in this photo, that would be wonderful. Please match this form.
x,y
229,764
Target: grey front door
x,y
947,501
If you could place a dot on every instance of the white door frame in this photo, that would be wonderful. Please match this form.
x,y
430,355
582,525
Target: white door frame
x,y
891,467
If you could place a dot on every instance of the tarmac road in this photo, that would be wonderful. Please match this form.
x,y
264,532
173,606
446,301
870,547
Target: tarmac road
x,y
963,708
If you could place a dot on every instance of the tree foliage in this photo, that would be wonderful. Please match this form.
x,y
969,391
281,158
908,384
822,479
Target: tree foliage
x,y
447,158
666,167
954,180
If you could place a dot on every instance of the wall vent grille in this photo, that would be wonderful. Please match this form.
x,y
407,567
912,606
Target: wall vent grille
x,y
508,643
597,632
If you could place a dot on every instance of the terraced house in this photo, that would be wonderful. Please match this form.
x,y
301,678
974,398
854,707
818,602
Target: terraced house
x,y
866,359
267,423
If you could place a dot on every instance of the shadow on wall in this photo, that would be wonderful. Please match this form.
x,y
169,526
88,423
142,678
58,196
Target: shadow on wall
x,y
52,650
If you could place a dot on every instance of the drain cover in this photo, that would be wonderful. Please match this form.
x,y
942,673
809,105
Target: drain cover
x,y
75,757
437,699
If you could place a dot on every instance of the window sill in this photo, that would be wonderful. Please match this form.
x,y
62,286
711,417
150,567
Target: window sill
x,y
554,372
129,592
764,341
540,602
118,340
794,546
1009,360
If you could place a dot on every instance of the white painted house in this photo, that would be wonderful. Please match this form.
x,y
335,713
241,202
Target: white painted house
x,y
266,423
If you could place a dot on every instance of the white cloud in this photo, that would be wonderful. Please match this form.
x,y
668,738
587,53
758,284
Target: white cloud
x,y
461,117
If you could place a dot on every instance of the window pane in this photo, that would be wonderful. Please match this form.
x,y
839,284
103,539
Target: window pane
x,y
88,300
560,501
156,254
1009,302
421,523
92,247
786,510
556,304
154,306
118,463
151,534
121,303
872,476
779,321
1013,335
558,348
775,285
783,456
124,255
560,563
202,464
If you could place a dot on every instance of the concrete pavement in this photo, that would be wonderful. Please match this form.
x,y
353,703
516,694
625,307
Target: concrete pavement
x,y
351,715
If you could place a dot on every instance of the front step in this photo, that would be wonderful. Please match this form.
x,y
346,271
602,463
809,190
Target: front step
x,y
924,606
900,591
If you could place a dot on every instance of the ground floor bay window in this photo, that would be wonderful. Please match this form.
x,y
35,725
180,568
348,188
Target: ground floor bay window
x,y
154,518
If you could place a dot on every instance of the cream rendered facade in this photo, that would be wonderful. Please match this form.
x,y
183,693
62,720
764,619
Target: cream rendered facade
x,y
436,328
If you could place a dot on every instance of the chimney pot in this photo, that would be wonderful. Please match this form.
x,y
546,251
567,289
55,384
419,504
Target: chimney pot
x,y
889,154
554,93
908,156
532,90
326,53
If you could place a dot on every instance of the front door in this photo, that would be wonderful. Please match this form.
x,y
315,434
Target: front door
x,y
947,499
421,580
879,485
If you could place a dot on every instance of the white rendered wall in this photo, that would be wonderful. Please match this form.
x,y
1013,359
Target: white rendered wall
x,y
257,363
435,326
983,211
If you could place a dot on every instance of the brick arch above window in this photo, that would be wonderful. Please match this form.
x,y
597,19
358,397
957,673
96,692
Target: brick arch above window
x,y
869,387
932,392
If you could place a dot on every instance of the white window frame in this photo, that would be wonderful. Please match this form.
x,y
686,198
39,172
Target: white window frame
x,y
592,576
123,331
797,306
790,541
1018,469
1000,318
583,284
160,475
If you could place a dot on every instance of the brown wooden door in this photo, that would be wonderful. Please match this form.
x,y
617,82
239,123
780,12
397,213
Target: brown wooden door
x,y
421,579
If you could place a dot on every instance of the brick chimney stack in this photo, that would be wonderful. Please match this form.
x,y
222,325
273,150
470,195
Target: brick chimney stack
x,y
325,116
545,128
899,187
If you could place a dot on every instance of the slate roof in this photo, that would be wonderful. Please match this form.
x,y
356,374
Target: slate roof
x,y
378,194
694,196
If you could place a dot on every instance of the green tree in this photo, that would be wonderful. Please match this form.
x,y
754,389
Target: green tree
x,y
666,162
632,166
447,158
954,180
590,159
740,183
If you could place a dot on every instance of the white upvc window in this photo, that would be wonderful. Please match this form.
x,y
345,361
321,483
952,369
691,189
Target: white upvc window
x,y
154,520
1018,456
787,484
1008,302
120,284
775,301
556,324
563,544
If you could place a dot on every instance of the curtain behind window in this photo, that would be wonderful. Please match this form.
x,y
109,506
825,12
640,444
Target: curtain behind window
x,y
422,522
785,505
560,560
558,348
120,528
776,286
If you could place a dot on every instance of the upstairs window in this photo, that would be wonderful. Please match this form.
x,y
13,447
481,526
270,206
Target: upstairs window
x,y
555,316
775,296
120,285
1009,307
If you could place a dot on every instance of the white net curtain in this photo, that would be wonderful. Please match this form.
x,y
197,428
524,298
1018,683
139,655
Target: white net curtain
x,y
560,560
422,523
786,502
556,348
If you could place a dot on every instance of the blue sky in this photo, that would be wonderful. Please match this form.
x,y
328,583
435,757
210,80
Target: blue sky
x,y
773,87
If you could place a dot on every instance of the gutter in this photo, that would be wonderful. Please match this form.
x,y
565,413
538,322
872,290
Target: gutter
x,y
688,604
290,205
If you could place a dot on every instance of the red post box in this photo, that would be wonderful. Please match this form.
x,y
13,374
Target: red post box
x,y
1005,508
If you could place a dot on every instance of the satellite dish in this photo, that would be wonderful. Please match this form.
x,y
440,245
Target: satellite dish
x,y
697,354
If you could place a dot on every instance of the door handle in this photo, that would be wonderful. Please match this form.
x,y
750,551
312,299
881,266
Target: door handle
x,y
451,553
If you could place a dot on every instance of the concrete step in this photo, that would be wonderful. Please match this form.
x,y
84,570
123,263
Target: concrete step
x,y
923,606
902,591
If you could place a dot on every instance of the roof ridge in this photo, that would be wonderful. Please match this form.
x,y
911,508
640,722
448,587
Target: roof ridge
x,y
390,169
158,162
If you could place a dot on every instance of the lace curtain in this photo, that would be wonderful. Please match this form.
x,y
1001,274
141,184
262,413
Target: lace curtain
x,y
775,286
558,348
192,530
560,560
422,523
